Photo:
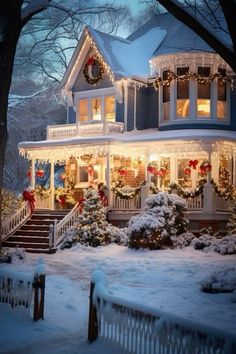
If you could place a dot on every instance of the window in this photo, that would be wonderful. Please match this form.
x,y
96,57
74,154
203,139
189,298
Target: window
x,y
83,174
166,97
110,108
83,110
184,174
204,94
221,96
182,104
96,108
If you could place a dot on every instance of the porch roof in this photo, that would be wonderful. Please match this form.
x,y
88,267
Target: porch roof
x,y
139,142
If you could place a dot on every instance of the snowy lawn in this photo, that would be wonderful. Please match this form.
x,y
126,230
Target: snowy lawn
x,y
168,280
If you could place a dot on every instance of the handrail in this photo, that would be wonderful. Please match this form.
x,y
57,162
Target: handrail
x,y
133,328
11,224
58,230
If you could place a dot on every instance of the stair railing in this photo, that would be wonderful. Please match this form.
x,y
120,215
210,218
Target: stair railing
x,y
11,224
58,229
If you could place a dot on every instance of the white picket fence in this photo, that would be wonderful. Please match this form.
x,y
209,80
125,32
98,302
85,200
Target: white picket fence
x,y
11,224
130,328
195,203
126,204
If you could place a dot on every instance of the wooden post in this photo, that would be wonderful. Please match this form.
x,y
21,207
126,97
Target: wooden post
x,y
39,295
93,322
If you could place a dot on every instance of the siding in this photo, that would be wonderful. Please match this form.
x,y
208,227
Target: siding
x,y
130,113
71,115
119,112
147,108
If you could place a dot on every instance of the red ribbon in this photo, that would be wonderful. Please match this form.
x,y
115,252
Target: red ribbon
x,y
81,204
193,164
90,61
29,197
103,197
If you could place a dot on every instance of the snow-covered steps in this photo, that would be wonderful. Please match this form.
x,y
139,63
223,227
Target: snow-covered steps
x,y
33,235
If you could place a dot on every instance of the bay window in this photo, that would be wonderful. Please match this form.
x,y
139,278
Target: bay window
x,y
96,108
166,97
204,94
182,104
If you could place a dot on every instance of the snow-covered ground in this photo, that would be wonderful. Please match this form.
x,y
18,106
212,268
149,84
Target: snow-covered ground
x,y
168,280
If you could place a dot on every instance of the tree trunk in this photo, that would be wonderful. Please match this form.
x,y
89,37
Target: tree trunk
x,y
178,11
10,20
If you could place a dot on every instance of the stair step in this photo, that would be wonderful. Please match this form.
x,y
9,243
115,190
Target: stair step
x,y
38,222
33,227
24,238
17,244
43,233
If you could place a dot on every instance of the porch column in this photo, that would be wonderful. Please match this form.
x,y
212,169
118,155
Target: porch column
x,y
215,167
108,178
234,171
32,182
209,174
52,186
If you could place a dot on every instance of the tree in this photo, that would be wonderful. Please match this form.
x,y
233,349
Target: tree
x,y
210,19
14,16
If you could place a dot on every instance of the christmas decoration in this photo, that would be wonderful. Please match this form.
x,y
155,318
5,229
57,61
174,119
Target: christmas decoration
x,y
86,158
40,173
92,224
161,172
126,195
28,174
29,197
102,193
228,193
152,167
203,80
162,217
193,164
42,192
187,171
10,204
224,177
90,170
63,176
205,167
122,171
88,71
64,197
176,188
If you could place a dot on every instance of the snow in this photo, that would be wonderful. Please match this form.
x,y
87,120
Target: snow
x,y
167,280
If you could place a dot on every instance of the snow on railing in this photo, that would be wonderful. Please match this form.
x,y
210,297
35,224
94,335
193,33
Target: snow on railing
x,y
61,131
100,128
58,229
18,288
125,203
133,328
11,224
195,203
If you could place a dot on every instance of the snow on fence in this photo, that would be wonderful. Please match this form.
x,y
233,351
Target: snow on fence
x,y
137,329
11,224
18,288
58,229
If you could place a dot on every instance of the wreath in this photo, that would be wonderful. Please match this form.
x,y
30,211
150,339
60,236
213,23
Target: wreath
x,y
88,71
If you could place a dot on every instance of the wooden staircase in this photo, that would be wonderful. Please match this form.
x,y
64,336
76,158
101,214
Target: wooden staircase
x,y
33,235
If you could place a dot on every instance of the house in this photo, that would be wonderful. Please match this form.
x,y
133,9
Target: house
x,y
158,107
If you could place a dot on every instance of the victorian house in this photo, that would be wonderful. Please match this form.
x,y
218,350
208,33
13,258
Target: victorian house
x,y
151,112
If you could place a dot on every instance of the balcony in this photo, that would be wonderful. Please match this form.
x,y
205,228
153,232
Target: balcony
x,y
91,128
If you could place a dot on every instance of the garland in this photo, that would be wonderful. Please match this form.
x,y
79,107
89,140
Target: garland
x,y
229,193
190,76
88,74
42,192
127,196
186,194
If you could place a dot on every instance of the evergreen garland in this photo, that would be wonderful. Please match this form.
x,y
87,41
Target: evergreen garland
x,y
101,73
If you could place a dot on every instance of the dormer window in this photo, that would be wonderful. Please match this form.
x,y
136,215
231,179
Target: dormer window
x,y
204,94
83,110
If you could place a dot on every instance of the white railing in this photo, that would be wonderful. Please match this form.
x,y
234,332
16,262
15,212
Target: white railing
x,y
126,204
195,203
58,229
42,203
133,328
89,128
11,224
61,131
99,128
222,204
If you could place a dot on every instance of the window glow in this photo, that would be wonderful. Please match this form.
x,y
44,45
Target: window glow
x,y
110,108
83,110
96,108
203,108
182,104
204,94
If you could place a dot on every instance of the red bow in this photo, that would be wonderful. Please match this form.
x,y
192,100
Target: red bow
x,y
90,61
103,197
29,197
193,164
62,200
81,204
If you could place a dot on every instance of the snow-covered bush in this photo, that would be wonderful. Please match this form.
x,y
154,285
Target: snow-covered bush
x,y
119,236
69,239
162,218
231,225
225,245
203,241
220,282
9,255
183,240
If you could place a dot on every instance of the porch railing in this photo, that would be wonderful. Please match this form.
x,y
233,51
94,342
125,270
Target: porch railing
x,y
89,128
126,204
11,224
58,229
133,328
195,203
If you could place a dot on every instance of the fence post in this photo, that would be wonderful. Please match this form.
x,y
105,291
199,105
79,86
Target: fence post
x,y
93,322
39,295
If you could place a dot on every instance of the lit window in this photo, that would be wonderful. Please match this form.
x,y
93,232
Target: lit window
x,y
96,108
166,97
204,94
184,174
221,96
83,174
83,110
110,108
182,105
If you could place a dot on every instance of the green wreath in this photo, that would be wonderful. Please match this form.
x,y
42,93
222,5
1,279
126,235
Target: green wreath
x,y
90,79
